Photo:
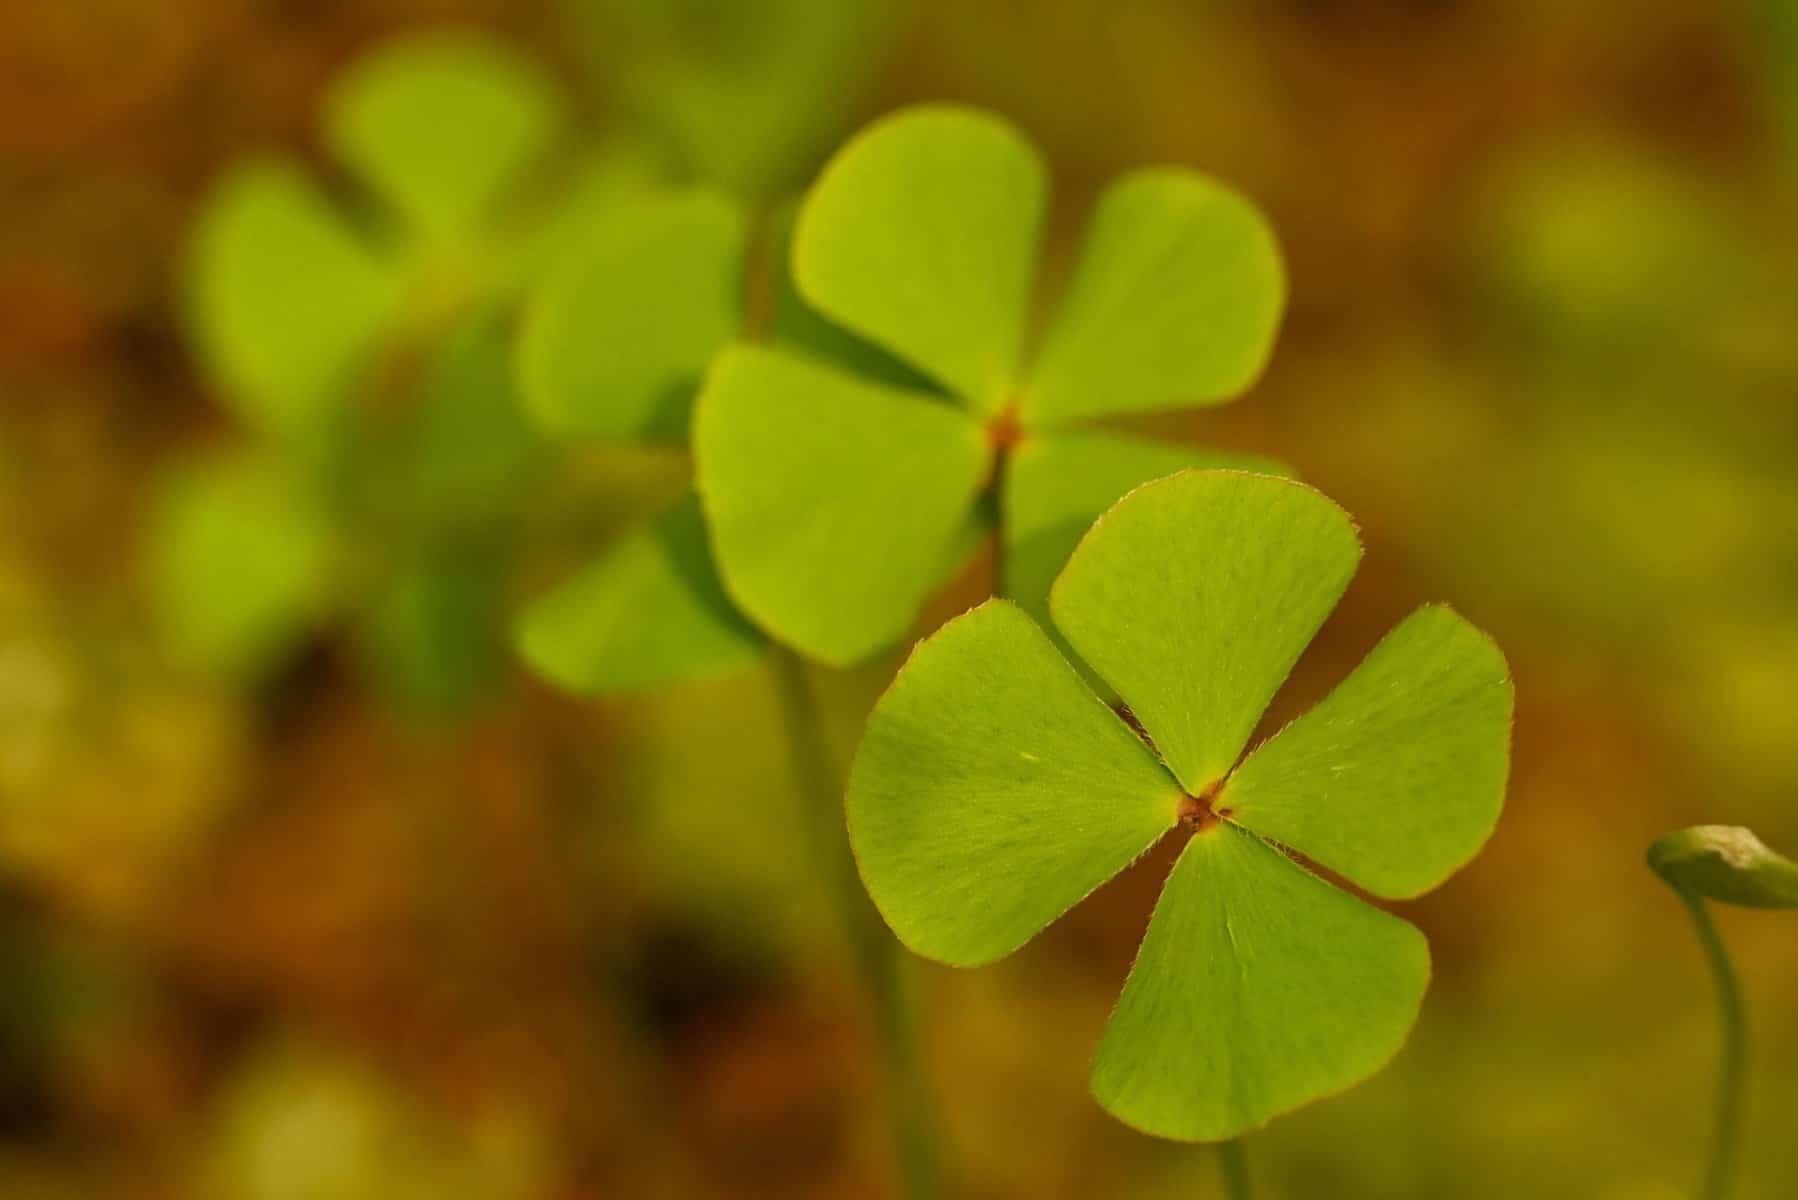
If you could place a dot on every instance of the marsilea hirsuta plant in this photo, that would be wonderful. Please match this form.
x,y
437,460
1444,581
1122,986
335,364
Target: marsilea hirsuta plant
x,y
835,495
993,790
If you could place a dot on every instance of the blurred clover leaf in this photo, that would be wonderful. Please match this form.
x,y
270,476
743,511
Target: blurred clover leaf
x,y
244,510
364,335
743,93
993,790
251,549
833,494
612,350
445,137
297,1119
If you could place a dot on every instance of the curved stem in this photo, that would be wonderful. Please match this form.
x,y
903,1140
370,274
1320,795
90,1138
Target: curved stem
x,y
1235,1169
1733,1076
878,956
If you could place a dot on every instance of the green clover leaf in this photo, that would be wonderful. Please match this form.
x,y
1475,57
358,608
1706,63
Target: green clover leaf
x,y
648,610
921,236
994,789
239,557
285,300
441,127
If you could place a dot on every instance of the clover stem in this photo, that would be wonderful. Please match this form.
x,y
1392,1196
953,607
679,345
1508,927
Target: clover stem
x,y
1235,1168
1003,435
1733,1074
878,956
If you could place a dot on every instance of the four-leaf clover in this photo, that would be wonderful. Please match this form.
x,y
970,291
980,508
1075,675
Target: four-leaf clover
x,y
834,495
993,790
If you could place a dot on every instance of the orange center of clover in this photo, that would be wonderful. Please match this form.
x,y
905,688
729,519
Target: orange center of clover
x,y
1006,430
1201,812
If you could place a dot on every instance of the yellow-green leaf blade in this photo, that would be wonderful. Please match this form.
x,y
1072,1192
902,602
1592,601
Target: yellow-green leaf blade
x,y
1259,988
1193,597
1396,779
1058,483
833,501
1175,303
992,790
614,345
796,326
921,235
648,611
238,562
442,126
287,303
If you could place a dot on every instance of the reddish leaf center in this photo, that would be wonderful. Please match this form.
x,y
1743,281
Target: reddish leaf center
x,y
1199,813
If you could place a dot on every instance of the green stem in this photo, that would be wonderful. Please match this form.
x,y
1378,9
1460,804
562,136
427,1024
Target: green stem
x,y
1235,1169
1733,1077
879,958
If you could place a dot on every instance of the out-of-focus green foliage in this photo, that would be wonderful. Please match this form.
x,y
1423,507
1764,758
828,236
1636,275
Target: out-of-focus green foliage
x,y
443,130
1773,28
245,512
741,93
647,611
287,299
615,343
314,317
462,458
302,1123
298,296
403,530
